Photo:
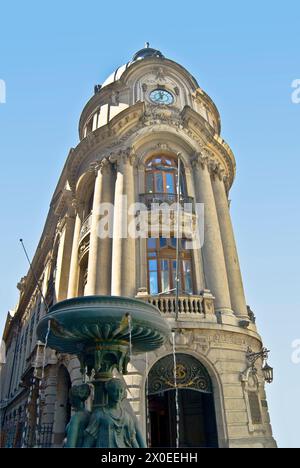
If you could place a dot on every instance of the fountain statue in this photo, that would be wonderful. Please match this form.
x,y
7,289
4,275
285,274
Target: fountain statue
x,y
81,417
103,331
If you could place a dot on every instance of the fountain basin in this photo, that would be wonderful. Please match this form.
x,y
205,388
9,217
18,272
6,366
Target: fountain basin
x,y
86,322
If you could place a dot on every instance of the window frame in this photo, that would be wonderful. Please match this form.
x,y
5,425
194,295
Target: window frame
x,y
152,170
168,253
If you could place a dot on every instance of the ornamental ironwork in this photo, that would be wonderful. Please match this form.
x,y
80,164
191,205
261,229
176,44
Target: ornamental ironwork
x,y
190,374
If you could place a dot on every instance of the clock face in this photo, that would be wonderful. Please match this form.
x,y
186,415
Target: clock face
x,y
161,96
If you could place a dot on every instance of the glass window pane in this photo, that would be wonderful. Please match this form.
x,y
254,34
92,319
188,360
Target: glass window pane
x,y
170,183
173,241
187,272
152,265
153,282
174,274
165,279
159,187
162,242
182,184
149,183
151,243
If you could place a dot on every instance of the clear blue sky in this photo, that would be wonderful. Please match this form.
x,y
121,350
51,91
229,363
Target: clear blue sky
x,y
245,55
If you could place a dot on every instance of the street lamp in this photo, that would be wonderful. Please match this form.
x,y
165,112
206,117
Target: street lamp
x,y
268,373
266,369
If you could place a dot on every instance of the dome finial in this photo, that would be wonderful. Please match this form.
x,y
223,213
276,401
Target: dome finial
x,y
147,45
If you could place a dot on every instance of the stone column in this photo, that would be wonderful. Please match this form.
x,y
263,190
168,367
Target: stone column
x,y
235,282
99,266
199,282
141,244
64,257
212,249
74,267
124,246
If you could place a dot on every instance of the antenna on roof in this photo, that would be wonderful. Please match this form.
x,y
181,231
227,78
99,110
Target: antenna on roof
x,y
34,275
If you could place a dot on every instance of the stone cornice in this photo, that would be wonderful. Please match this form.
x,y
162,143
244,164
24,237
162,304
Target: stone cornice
x,y
63,202
140,116
38,262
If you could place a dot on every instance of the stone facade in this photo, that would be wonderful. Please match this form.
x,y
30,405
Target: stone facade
x,y
120,129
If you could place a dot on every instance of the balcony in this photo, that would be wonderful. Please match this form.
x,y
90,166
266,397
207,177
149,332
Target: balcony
x,y
148,199
189,307
164,220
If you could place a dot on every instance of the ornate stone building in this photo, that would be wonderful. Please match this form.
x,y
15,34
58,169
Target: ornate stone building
x,y
148,114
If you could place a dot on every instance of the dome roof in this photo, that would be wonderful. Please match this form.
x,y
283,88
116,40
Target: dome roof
x,y
140,55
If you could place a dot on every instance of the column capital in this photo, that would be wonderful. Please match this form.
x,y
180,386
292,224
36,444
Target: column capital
x,y
76,205
200,159
100,166
205,159
217,170
123,157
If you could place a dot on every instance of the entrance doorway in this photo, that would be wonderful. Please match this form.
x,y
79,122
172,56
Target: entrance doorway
x,y
197,420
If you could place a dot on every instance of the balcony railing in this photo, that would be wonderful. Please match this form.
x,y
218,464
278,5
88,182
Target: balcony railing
x,y
86,226
148,199
187,305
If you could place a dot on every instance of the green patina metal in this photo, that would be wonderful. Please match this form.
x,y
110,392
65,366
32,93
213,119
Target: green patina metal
x,y
98,330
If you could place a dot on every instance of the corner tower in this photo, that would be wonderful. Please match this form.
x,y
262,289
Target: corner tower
x,y
146,116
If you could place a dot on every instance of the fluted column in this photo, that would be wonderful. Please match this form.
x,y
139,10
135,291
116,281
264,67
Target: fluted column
x,y
234,276
124,246
99,266
74,266
197,260
64,258
212,249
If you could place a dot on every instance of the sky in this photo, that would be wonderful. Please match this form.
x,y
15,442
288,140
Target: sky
x,y
246,56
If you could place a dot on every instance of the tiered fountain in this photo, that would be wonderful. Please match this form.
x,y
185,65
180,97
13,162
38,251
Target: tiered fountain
x,y
102,331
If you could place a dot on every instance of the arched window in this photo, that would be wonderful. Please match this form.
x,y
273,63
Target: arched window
x,y
161,259
161,176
